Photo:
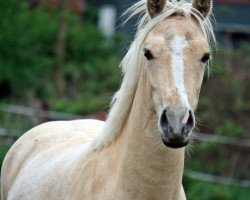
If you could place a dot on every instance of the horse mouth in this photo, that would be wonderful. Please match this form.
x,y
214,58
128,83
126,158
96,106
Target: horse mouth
x,y
174,143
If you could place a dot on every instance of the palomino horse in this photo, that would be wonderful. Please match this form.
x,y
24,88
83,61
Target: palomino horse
x,y
125,158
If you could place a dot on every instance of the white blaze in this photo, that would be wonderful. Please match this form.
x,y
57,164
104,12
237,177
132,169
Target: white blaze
x,y
178,45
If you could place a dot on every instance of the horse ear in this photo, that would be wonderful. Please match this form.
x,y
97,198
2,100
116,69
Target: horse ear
x,y
203,6
155,7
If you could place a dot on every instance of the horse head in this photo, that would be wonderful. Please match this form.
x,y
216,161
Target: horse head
x,y
177,52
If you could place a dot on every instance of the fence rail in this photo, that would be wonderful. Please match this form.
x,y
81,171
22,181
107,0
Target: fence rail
x,y
216,179
12,135
52,115
32,112
204,137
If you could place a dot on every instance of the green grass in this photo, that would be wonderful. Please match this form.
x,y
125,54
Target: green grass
x,y
211,191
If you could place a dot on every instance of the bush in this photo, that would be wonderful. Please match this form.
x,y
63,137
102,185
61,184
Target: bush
x,y
224,104
28,62
3,151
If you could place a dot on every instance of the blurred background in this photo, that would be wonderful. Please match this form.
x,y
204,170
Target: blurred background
x,y
59,60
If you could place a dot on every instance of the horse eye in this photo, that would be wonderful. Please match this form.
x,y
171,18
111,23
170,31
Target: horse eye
x,y
148,54
205,58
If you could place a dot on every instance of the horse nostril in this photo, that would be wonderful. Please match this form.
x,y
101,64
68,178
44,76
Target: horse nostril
x,y
188,122
176,124
191,119
164,121
171,122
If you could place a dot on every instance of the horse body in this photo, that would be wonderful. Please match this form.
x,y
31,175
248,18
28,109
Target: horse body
x,y
124,158
57,163
47,160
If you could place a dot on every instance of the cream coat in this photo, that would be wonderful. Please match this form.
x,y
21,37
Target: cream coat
x,y
53,161
124,158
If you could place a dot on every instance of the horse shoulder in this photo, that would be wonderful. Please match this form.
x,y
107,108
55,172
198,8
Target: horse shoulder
x,y
54,141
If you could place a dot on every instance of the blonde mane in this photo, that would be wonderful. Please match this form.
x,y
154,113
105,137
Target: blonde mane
x,y
131,64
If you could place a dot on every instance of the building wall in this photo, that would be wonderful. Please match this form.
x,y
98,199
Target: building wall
x,y
233,22
232,19
232,2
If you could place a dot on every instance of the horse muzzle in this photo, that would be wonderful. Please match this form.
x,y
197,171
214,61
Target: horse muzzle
x,y
177,125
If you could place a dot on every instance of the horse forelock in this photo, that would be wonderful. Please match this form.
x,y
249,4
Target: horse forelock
x,y
132,63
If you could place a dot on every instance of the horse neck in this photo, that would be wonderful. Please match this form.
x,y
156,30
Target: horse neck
x,y
146,166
